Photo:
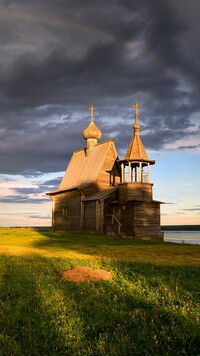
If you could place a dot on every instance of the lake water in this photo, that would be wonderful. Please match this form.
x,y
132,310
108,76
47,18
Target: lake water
x,y
187,237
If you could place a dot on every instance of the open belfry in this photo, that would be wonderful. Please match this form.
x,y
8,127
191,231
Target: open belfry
x,y
100,193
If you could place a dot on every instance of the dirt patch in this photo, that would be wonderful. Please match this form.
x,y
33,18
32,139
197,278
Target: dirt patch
x,y
82,274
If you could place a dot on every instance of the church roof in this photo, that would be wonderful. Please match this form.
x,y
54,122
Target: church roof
x,y
136,150
83,169
102,194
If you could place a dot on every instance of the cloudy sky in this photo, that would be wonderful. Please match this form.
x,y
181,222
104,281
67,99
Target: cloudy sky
x,y
57,57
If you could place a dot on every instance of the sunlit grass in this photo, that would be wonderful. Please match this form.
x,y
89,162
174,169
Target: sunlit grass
x,y
22,242
150,307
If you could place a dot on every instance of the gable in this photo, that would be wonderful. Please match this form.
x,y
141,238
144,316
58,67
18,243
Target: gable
x,y
84,169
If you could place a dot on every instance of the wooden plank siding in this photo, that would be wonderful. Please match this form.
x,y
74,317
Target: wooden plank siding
x,y
135,191
96,210
147,216
90,216
67,211
142,219
108,169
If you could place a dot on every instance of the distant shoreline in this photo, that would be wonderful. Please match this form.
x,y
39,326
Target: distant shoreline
x,y
180,227
163,227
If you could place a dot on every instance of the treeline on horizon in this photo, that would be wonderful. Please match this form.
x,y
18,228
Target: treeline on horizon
x,y
180,227
163,227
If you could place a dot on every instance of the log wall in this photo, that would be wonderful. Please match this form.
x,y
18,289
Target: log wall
x,y
142,219
135,191
67,211
108,169
90,222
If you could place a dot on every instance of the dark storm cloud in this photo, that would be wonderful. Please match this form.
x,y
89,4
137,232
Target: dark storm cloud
x,y
189,147
39,151
192,209
27,195
38,217
57,58
38,188
23,199
51,184
31,195
26,191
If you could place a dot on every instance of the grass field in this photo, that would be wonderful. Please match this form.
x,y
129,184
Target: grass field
x,y
150,307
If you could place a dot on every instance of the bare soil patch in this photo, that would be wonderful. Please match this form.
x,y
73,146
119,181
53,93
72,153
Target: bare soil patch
x,y
82,274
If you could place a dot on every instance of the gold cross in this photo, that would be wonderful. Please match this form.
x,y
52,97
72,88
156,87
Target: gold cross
x,y
92,108
136,107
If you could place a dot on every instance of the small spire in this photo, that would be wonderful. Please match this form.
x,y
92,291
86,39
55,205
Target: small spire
x,y
136,150
92,108
136,107
136,125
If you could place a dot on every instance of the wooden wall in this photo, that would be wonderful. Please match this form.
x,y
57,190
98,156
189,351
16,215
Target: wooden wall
x,y
147,216
142,219
135,191
108,168
97,213
90,216
67,211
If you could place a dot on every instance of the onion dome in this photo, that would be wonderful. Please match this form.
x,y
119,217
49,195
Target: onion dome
x,y
92,131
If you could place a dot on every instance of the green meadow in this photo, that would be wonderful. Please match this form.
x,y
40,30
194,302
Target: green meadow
x,y
151,306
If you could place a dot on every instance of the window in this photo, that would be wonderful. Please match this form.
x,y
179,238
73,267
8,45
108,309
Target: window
x,y
64,212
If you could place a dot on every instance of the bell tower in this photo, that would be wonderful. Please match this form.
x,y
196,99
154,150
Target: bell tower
x,y
135,167
136,164
137,209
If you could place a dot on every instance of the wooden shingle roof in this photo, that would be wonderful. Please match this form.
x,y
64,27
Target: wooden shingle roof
x,y
84,169
102,194
136,150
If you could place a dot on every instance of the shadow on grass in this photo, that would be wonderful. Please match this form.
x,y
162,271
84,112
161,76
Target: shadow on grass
x,y
142,315
69,239
27,324
118,247
84,242
144,310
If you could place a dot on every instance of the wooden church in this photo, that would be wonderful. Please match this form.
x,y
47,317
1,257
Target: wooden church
x,y
101,194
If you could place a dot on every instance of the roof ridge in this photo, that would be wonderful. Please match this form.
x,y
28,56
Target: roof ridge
x,y
99,143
